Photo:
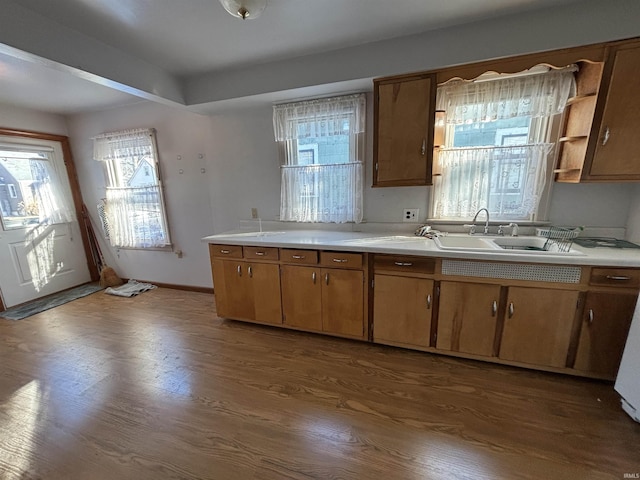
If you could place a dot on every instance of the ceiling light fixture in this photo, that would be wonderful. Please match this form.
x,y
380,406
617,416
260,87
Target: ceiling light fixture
x,y
244,9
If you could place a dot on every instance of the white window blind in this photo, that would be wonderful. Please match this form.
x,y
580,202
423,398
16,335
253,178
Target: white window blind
x,y
134,207
322,171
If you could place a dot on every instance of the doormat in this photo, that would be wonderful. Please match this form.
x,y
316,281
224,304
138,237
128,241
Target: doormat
x,y
55,300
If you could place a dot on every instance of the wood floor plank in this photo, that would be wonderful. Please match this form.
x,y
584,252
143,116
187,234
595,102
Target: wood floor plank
x,y
157,386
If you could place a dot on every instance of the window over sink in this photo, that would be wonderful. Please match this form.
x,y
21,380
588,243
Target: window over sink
x,y
497,153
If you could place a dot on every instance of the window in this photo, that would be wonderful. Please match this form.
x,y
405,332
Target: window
x,y
498,148
322,143
12,190
134,208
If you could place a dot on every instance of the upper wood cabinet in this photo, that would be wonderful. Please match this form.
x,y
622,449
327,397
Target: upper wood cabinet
x,y
404,109
617,151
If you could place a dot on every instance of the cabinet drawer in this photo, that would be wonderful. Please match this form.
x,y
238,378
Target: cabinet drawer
x,y
615,277
304,257
399,263
262,253
230,251
341,259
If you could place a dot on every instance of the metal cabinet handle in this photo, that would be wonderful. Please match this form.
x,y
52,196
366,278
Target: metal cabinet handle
x,y
429,301
403,264
590,317
250,271
225,252
510,309
297,257
326,278
423,150
494,308
606,136
313,277
619,278
260,254
340,260
239,270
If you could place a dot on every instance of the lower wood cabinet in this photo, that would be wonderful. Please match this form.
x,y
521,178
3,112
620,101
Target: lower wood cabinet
x,y
402,310
603,332
329,300
247,290
538,325
467,318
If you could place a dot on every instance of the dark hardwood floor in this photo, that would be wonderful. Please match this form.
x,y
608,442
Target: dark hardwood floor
x,y
157,387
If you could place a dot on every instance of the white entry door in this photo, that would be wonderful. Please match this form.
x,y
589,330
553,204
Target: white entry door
x,y
41,249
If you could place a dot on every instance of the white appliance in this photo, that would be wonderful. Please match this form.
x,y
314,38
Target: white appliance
x,y
628,380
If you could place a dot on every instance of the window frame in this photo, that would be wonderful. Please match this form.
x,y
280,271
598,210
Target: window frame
x,y
112,169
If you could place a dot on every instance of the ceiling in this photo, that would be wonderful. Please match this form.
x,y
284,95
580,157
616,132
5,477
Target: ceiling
x,y
182,39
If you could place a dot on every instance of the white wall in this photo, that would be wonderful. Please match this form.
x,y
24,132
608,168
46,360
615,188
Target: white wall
x,y
179,133
633,222
25,119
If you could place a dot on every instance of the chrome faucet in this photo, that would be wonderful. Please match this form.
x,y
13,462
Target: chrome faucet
x,y
472,227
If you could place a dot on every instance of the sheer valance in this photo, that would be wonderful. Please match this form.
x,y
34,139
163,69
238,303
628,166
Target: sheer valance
x,y
506,180
533,95
344,115
124,144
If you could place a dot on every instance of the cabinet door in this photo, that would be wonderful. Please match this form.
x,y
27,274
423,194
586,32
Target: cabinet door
x,y
537,325
264,279
618,149
605,324
404,133
233,292
402,309
301,297
343,302
467,317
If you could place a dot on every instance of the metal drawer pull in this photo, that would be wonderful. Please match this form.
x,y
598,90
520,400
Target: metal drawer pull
x,y
620,278
326,278
297,257
239,270
225,251
423,150
250,271
606,136
510,309
590,316
429,301
313,277
494,308
403,264
340,260
260,254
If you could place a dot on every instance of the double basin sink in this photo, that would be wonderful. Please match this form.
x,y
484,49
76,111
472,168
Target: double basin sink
x,y
478,243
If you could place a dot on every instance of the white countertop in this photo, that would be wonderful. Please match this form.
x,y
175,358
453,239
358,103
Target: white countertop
x,y
392,243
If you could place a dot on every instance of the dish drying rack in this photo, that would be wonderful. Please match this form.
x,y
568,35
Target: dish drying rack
x,y
559,239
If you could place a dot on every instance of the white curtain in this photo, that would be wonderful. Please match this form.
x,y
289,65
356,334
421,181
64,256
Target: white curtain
x,y
506,180
53,204
330,189
134,207
320,118
535,95
322,193
134,217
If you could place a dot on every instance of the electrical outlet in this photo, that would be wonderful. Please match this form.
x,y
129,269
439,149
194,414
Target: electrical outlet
x,y
410,215
254,212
